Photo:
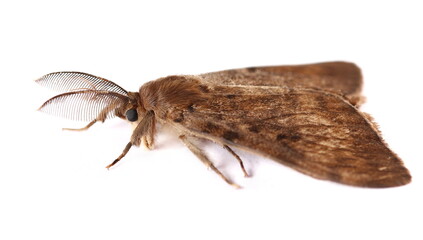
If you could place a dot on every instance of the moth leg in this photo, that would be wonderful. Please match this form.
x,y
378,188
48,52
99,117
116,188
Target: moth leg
x,y
137,135
81,129
125,151
100,118
203,158
146,142
237,158
148,139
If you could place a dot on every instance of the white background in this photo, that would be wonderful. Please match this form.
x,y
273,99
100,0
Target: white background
x,y
53,184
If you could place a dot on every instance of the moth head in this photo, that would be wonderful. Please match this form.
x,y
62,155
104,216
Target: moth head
x,y
132,111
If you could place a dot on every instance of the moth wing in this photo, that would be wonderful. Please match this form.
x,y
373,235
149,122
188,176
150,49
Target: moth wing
x,y
315,132
343,78
76,81
84,105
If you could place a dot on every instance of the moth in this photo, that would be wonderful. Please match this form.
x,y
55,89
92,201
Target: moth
x,y
303,116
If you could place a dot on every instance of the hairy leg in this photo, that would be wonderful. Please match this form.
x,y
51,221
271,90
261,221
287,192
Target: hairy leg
x,y
203,158
81,129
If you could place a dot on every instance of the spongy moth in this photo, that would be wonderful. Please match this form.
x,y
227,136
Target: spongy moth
x,y
304,116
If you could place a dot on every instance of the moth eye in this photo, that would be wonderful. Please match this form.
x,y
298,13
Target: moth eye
x,y
132,115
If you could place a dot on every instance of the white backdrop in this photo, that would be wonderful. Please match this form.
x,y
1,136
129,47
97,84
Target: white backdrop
x,y
53,184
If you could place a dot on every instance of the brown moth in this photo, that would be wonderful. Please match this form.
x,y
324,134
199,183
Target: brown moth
x,y
305,117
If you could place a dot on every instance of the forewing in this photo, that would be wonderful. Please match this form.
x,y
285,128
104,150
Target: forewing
x,y
76,81
315,132
342,78
84,105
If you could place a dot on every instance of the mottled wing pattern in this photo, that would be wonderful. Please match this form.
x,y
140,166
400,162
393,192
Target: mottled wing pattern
x,y
315,132
342,78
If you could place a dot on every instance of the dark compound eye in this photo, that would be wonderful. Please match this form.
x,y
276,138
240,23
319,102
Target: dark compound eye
x,y
132,115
